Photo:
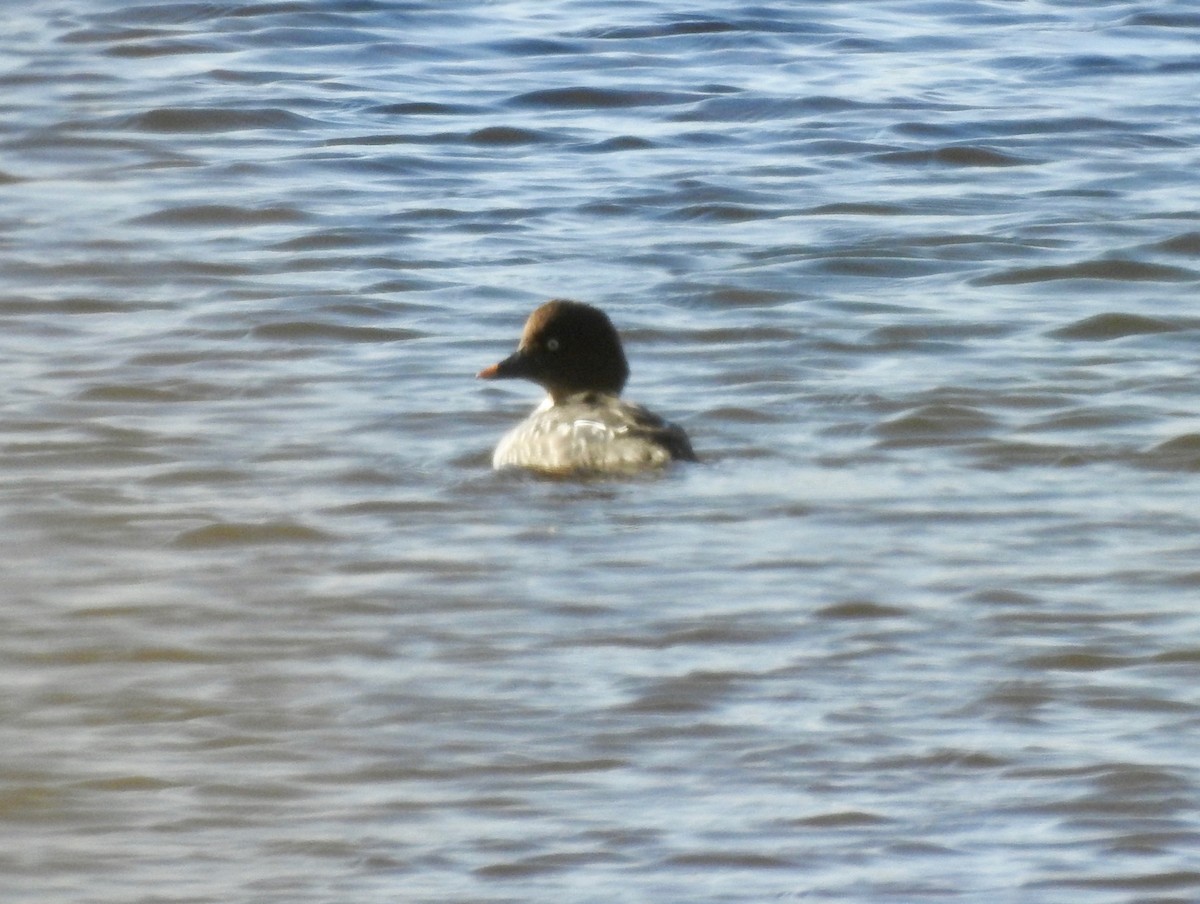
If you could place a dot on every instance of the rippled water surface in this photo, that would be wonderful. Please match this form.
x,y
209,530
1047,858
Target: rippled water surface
x,y
919,278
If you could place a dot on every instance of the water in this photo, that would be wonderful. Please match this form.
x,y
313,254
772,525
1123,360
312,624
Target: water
x,y
918,278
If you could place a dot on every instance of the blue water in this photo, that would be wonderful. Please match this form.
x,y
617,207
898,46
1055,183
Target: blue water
x,y
918,278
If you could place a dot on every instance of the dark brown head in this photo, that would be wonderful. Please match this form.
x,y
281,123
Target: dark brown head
x,y
567,347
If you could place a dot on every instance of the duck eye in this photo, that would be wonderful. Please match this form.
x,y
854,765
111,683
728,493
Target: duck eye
x,y
552,345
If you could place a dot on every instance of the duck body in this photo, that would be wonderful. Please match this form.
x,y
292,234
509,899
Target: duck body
x,y
592,433
583,426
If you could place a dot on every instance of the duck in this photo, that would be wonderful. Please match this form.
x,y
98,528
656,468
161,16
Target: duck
x,y
573,351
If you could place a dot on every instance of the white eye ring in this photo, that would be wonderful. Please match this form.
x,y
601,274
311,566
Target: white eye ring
x,y
552,345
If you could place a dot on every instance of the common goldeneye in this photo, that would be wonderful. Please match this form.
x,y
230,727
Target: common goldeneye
x,y
572,350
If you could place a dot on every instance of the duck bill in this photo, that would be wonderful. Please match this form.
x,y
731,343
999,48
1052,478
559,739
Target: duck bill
x,y
515,365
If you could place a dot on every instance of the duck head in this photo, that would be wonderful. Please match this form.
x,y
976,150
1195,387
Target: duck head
x,y
567,347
